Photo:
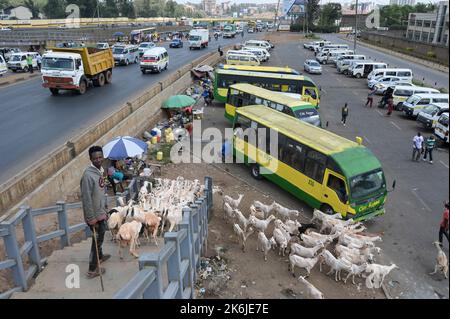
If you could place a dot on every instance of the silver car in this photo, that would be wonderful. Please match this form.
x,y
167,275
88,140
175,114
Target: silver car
x,y
312,66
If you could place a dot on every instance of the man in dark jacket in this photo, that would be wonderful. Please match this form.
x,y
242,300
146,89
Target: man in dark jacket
x,y
93,199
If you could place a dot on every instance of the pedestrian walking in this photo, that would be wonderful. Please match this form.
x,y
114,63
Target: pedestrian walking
x,y
417,147
93,201
429,147
39,61
443,227
344,112
390,103
370,97
30,63
219,49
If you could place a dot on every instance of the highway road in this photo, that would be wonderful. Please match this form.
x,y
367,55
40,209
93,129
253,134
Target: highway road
x,y
33,122
420,72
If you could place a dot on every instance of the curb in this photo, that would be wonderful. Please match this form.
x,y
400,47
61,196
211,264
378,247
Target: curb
x,y
18,79
410,58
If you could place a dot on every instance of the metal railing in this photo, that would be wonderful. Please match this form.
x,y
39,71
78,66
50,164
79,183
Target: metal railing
x,y
181,251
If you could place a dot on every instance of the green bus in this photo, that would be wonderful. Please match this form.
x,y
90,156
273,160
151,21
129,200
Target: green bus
x,y
244,94
288,83
327,171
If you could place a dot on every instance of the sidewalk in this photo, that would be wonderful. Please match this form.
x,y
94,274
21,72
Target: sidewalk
x,y
432,65
10,78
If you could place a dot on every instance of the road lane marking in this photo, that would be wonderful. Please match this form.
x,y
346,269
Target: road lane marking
x,y
420,199
381,114
396,125
444,164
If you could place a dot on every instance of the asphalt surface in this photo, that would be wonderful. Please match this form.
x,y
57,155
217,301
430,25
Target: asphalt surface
x,y
413,209
430,76
33,122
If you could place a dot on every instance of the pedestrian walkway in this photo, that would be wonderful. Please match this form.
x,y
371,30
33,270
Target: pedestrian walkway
x,y
10,78
51,282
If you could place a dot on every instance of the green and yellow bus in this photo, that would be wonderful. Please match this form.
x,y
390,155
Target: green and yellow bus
x,y
267,69
288,83
244,94
325,170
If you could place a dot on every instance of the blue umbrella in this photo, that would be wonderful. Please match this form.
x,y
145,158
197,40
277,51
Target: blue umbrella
x,y
118,34
124,146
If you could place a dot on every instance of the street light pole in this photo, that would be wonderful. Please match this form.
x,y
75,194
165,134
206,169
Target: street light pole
x,y
276,15
356,27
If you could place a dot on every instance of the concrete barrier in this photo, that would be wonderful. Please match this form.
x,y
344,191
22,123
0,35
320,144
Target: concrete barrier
x,y
66,164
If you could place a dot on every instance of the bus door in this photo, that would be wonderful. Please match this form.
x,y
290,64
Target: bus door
x,y
309,94
335,192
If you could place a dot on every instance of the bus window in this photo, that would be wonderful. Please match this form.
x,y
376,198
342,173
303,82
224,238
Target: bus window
x,y
315,165
337,185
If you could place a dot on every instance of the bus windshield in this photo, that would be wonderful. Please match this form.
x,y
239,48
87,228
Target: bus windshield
x,y
366,184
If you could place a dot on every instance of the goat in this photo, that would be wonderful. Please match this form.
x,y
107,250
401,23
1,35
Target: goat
x,y
352,242
304,227
354,270
241,219
354,255
312,291
266,209
305,251
266,245
128,235
377,274
234,203
280,240
441,261
310,241
259,224
322,238
242,236
229,212
152,222
336,265
317,214
256,212
115,220
301,262
366,238
285,212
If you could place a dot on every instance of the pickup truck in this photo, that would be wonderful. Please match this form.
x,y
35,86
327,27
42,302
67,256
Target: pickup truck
x,y
76,69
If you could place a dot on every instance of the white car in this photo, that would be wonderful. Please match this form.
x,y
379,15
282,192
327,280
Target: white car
x,y
308,45
144,46
390,80
312,66
382,87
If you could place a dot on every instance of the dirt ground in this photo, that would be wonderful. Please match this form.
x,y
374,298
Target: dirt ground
x,y
250,276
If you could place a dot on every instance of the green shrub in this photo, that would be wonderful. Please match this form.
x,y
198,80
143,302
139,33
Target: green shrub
x,y
409,49
431,54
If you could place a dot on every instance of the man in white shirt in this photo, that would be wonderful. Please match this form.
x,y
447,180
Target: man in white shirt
x,y
417,147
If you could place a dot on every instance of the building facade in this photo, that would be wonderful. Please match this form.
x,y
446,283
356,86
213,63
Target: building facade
x,y
430,27
403,2
209,6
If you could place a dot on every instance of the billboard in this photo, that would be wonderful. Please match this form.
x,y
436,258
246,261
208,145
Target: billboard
x,y
289,4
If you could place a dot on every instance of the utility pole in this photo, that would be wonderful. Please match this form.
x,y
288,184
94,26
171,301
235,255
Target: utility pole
x,y
276,15
356,27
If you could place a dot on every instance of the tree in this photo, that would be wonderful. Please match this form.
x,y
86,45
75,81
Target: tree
x,y
312,11
150,9
110,9
33,7
397,15
55,9
329,13
126,8
88,8
4,4
170,8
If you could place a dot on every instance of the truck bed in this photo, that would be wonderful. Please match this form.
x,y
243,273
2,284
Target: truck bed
x,y
95,61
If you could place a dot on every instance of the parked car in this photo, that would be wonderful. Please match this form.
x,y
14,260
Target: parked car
x,y
382,87
308,45
384,80
312,66
176,43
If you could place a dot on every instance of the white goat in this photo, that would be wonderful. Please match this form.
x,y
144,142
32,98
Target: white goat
x,y
441,261
285,212
280,240
256,212
234,203
259,224
241,219
301,262
305,251
355,270
266,209
265,244
242,236
336,265
377,274
312,291
115,220
319,215
310,241
352,242
355,256
229,212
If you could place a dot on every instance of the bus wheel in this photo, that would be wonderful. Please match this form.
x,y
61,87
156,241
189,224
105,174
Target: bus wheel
x,y
255,171
327,209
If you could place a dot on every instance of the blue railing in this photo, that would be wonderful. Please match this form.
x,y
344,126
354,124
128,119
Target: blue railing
x,y
181,251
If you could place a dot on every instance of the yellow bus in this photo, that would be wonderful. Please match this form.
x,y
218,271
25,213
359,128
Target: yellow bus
x,y
243,94
288,83
325,170
267,69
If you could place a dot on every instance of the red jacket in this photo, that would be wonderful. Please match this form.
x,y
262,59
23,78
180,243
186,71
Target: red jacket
x,y
444,221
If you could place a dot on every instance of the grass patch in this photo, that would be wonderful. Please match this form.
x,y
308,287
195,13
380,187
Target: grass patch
x,y
418,82
312,36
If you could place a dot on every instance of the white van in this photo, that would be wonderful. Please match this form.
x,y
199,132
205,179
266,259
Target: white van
x,y
344,62
441,129
385,80
259,44
417,102
242,58
363,68
335,54
155,59
18,61
329,47
262,54
402,93
3,67
126,54
430,114
319,44
404,74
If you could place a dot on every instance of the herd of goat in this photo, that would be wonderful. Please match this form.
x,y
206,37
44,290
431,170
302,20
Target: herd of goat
x,y
354,252
161,204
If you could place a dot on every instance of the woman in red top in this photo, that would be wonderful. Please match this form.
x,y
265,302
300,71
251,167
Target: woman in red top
x,y
443,230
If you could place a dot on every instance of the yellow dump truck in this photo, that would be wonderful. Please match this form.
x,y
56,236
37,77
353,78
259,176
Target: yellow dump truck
x,y
76,69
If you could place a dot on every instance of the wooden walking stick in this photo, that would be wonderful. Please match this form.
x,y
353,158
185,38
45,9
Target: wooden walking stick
x,y
98,259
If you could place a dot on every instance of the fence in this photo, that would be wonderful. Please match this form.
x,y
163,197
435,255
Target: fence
x,y
181,250
181,254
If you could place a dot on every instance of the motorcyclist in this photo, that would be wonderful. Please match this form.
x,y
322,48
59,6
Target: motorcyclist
x,y
216,36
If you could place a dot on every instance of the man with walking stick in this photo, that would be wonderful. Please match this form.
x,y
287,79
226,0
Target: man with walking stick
x,y
94,209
